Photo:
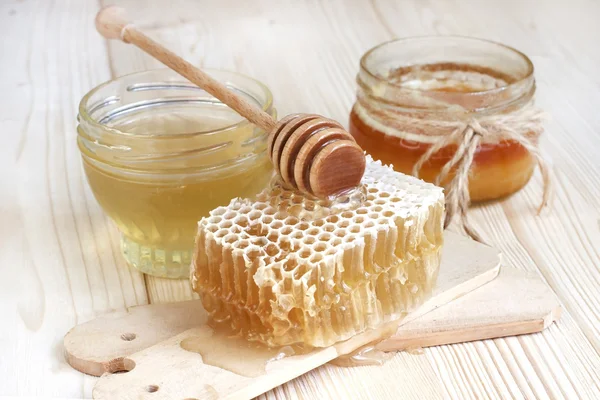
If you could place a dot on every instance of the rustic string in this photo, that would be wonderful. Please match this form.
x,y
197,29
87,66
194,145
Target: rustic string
x,y
523,126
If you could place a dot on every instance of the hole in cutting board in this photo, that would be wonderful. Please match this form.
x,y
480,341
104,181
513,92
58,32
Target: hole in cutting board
x,y
120,365
128,337
151,388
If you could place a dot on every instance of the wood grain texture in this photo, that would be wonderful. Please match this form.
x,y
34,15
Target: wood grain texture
x,y
467,266
59,253
515,303
62,255
101,345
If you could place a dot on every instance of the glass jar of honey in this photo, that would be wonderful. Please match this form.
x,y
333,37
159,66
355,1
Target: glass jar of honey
x,y
413,91
159,153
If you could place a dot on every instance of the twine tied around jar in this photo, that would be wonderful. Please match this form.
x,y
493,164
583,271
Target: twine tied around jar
x,y
523,126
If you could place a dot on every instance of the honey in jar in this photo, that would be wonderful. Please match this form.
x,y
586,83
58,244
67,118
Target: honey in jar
x,y
159,153
447,79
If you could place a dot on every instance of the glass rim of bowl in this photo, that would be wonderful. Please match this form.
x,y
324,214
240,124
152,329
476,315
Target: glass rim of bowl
x,y
379,78
84,108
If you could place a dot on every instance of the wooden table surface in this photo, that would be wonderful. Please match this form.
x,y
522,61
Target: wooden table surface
x,y
60,256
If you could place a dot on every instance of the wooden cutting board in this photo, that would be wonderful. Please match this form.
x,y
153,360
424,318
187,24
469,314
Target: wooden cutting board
x,y
145,340
515,303
97,346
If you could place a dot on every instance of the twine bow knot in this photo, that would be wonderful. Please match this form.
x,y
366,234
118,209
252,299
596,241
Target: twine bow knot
x,y
522,126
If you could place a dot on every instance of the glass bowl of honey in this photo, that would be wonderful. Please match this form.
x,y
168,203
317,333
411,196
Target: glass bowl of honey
x,y
159,153
413,91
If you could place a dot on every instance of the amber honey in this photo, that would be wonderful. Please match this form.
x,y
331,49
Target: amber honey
x,y
164,155
443,79
498,169
284,269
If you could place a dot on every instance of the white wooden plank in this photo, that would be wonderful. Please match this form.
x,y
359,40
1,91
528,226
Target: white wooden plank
x,y
339,34
51,56
59,255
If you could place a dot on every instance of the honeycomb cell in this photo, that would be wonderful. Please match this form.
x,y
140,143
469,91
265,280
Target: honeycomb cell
x,y
319,247
286,269
286,230
348,214
230,215
277,225
329,228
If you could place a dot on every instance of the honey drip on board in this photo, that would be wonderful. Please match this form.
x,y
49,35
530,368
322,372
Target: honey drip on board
x,y
220,347
234,352
416,351
369,354
362,349
211,392
366,355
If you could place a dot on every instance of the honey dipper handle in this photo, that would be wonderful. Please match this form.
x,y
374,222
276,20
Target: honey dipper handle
x,y
112,23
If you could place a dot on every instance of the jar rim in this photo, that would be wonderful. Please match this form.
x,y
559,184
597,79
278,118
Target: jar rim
x,y
379,78
85,115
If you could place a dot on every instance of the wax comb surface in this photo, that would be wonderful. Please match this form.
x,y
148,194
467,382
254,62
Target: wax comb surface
x,y
284,269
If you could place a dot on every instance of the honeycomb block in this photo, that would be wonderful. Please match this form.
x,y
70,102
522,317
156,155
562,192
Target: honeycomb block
x,y
284,269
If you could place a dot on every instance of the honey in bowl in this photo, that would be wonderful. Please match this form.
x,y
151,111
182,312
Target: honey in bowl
x,y
159,154
449,80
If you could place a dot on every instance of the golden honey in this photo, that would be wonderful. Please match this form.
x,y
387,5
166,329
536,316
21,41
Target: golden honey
x,y
498,169
159,154
445,79
284,269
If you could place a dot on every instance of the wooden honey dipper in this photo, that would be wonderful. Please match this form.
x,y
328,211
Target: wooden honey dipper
x,y
311,153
